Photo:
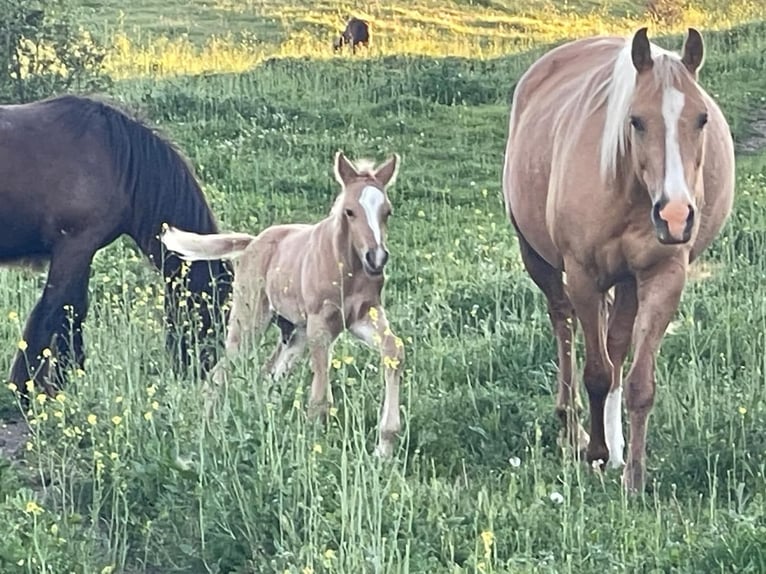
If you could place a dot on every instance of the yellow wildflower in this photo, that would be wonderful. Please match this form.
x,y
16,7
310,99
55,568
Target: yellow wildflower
x,y
118,399
46,352
391,362
348,360
12,387
487,538
13,316
155,405
92,419
742,411
60,397
148,415
116,419
41,398
374,314
336,364
22,345
30,385
151,390
33,508
317,448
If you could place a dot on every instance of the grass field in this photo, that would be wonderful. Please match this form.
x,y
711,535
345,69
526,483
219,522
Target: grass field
x,y
121,475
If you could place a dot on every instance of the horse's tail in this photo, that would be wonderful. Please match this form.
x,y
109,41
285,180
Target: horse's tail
x,y
194,246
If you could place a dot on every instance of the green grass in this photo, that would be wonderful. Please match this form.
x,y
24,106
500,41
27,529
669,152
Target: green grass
x,y
258,489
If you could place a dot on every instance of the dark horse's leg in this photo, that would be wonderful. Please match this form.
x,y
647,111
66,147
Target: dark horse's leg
x,y
562,316
56,320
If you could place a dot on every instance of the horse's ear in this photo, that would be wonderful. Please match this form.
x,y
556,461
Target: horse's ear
x,y
386,173
344,169
641,51
693,52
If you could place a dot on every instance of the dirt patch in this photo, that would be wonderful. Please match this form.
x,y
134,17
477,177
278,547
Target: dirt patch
x,y
13,437
755,141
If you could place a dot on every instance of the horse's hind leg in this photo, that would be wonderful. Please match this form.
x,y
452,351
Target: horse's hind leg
x,y
562,317
56,320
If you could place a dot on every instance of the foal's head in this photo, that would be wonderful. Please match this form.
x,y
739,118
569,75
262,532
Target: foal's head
x,y
363,208
667,119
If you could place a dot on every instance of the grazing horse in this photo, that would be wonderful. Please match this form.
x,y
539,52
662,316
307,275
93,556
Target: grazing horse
x,y
315,281
357,33
75,174
619,172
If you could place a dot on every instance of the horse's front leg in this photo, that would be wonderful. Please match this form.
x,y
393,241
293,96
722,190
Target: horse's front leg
x,y
590,307
375,331
659,293
321,331
56,321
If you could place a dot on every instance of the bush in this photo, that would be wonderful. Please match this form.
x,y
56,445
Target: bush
x,y
43,52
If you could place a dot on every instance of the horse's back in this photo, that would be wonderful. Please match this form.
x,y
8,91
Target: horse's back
x,y
49,177
535,131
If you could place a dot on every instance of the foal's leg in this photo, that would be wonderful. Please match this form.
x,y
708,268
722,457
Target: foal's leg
x,y
375,331
56,320
250,316
563,320
286,354
619,335
590,306
321,331
659,292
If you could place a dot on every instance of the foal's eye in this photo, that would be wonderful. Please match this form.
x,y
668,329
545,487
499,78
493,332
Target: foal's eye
x,y
701,120
387,214
637,123
349,213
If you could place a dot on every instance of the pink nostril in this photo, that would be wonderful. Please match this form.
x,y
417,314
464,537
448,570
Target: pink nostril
x,y
676,215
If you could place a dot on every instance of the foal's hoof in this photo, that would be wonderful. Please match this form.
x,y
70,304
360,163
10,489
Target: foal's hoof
x,y
317,412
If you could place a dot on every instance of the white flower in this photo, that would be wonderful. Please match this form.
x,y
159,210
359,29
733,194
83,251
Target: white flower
x,y
556,497
514,461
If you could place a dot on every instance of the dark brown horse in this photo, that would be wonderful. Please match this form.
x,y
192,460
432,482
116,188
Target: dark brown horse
x,y
75,174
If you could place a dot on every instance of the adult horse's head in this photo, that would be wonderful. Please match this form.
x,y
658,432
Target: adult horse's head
x,y
364,208
667,115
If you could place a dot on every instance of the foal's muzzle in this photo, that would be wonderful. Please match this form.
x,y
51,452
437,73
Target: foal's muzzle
x,y
375,260
673,221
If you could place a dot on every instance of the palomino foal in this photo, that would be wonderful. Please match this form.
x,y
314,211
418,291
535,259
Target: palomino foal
x,y
619,171
315,281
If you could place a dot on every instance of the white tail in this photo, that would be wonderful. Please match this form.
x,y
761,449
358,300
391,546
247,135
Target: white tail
x,y
193,246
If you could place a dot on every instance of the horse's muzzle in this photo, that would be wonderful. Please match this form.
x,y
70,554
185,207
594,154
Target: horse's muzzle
x,y
375,260
673,221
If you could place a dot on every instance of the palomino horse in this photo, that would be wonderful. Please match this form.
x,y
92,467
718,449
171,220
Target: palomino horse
x,y
315,281
75,174
619,171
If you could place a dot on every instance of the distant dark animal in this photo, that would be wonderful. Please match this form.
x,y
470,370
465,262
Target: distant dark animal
x,y
357,33
75,174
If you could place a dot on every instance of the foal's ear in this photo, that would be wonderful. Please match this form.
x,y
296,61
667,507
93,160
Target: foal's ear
x,y
386,173
693,52
641,51
344,169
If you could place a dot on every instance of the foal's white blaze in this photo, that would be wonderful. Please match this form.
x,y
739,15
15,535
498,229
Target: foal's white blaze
x,y
675,182
615,441
371,200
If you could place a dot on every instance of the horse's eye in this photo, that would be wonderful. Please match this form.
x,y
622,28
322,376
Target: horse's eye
x,y
637,123
387,214
349,213
701,120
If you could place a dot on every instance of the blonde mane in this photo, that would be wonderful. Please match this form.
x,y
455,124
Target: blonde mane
x,y
364,166
618,95
610,84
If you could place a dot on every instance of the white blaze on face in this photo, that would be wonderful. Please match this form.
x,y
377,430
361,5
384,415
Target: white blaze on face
x,y
371,200
675,180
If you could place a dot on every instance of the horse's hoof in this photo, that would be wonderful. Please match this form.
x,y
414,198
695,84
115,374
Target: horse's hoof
x,y
633,478
384,451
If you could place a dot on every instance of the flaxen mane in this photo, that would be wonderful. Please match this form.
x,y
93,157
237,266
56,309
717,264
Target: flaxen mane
x,y
612,85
